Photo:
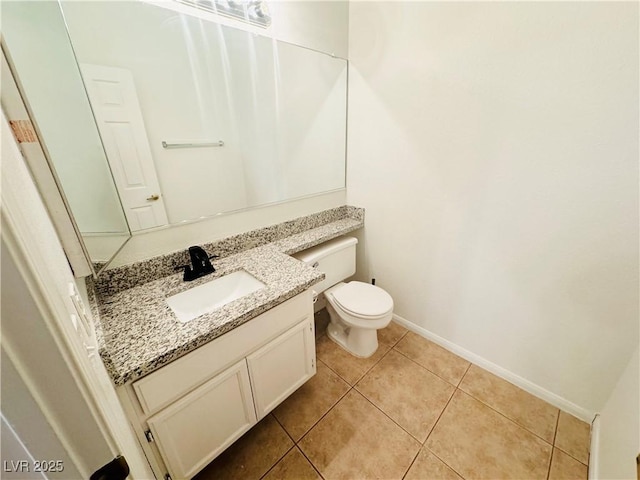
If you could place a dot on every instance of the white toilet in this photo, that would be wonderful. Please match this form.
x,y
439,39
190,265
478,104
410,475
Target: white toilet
x,y
357,310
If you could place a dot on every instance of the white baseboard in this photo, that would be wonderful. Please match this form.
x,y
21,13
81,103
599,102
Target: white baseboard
x,y
526,385
594,449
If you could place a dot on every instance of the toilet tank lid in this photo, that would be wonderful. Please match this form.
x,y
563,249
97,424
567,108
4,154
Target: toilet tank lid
x,y
314,254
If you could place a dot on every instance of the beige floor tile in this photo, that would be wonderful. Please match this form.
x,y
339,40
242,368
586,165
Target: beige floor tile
x,y
252,455
294,466
565,467
433,357
478,442
408,393
391,334
528,411
311,401
350,368
428,466
356,440
573,437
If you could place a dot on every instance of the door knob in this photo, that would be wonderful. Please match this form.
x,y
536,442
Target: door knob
x,y
153,198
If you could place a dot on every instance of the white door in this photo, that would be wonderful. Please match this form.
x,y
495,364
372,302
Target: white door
x,y
282,366
197,428
114,100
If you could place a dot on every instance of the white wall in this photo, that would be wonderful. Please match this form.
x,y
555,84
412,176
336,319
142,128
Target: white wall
x,y
494,146
620,426
321,25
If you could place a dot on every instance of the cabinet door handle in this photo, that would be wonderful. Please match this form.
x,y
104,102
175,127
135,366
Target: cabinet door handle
x,y
153,197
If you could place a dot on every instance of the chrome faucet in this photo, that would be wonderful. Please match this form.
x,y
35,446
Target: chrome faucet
x,y
200,264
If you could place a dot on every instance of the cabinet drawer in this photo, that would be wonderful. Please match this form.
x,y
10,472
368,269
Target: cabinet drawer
x,y
172,381
197,428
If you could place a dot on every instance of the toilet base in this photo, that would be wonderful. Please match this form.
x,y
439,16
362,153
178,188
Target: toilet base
x,y
359,342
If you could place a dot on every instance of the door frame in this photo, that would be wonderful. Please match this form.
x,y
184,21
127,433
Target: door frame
x,y
44,269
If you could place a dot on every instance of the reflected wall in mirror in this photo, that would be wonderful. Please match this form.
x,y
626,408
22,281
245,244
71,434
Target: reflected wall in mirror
x,y
42,59
266,120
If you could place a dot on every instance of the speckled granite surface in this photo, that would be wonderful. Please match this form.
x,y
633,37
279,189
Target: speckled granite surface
x,y
128,276
137,331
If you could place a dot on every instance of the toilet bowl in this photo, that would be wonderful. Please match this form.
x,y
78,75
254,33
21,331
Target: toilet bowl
x,y
357,311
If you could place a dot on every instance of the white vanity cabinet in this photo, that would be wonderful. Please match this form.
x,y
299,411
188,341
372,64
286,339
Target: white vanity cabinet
x,y
280,367
188,412
197,428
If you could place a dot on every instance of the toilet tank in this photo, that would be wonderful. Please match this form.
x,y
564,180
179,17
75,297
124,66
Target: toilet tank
x,y
335,258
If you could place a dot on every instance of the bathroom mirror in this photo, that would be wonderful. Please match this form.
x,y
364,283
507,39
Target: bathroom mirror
x,y
197,118
43,64
210,118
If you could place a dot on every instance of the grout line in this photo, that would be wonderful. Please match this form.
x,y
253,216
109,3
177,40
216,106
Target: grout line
x,y
401,336
278,461
555,431
528,386
386,415
363,374
325,414
464,375
574,458
550,462
327,365
297,444
428,370
526,429
373,366
310,462
508,418
448,466
332,406
505,417
412,462
282,426
439,417
555,437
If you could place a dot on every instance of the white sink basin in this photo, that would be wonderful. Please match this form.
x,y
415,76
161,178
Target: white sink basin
x,y
212,295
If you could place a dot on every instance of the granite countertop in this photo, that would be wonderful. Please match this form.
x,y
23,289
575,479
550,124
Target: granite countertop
x,y
137,331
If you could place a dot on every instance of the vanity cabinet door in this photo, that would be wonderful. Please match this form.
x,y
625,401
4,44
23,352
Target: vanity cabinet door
x,y
281,366
195,429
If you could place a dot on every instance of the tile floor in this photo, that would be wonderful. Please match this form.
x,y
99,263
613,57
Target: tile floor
x,y
413,410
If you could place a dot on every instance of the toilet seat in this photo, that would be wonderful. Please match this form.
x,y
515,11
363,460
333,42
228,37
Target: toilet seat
x,y
362,300
356,331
